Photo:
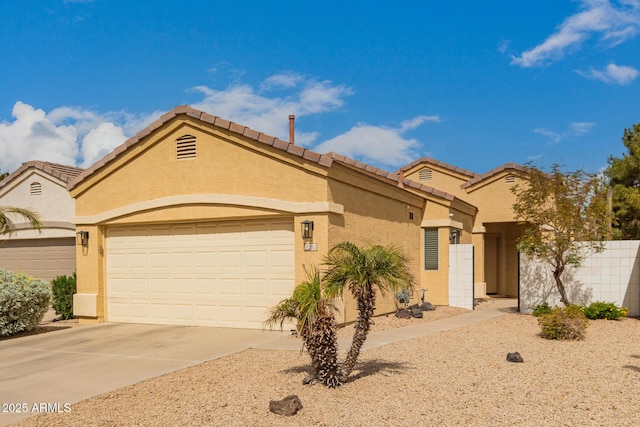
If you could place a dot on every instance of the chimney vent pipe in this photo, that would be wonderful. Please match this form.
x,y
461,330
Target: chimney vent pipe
x,y
291,128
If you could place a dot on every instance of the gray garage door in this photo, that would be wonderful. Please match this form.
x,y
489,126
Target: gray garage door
x,y
41,258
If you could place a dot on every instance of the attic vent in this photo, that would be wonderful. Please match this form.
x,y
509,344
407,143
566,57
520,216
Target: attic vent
x,y
509,179
425,174
35,189
186,147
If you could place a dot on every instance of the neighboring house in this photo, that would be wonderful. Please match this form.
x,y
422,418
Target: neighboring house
x,y
40,187
495,229
200,221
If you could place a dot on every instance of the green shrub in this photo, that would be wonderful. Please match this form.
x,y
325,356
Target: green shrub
x,y
541,309
563,323
23,302
63,288
604,310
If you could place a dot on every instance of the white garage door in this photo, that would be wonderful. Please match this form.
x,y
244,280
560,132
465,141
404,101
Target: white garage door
x,y
224,274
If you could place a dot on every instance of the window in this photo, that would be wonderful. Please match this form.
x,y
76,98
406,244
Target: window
x,y
425,174
430,248
186,147
35,189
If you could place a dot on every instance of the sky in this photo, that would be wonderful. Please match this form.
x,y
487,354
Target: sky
x,y
474,84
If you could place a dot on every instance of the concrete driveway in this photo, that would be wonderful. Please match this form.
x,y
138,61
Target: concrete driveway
x,y
44,372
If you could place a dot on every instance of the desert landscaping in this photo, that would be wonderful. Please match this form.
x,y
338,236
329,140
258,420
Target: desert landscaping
x,y
458,377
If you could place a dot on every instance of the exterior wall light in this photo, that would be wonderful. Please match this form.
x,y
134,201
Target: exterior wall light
x,y
307,229
454,237
82,238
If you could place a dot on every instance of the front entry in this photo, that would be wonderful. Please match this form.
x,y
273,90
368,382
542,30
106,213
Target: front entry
x,y
492,263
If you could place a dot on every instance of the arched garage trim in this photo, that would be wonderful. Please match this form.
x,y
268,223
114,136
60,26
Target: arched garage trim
x,y
214,199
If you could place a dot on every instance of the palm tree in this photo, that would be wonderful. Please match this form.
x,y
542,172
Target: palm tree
x,y
364,272
315,324
7,225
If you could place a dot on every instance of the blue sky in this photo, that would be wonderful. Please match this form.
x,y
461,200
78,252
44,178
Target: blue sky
x,y
474,84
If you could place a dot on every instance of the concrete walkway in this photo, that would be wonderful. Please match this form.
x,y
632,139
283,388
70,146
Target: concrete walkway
x,y
71,365
494,307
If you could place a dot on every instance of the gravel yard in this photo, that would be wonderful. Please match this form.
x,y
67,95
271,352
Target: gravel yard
x,y
452,378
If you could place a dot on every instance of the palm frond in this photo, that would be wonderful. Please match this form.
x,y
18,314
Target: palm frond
x,y
286,309
7,224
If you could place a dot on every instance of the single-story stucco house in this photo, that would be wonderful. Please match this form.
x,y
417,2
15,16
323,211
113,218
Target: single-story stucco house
x,y
200,221
40,187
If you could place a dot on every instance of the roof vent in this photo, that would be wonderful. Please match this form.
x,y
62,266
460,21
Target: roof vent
x,y
186,147
510,179
292,118
35,189
425,174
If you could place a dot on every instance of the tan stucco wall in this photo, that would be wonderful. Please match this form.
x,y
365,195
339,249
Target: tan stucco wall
x,y
55,206
478,263
494,199
90,272
225,164
441,178
444,216
375,214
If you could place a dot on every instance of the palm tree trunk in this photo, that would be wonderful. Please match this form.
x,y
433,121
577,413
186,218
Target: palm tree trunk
x,y
322,344
366,305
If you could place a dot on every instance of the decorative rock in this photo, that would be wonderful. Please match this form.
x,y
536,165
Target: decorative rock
x,y
288,406
416,312
309,379
402,313
515,357
427,306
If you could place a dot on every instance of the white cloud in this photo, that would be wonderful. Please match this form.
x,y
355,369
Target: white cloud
x,y
503,45
612,73
417,121
74,135
614,21
242,104
377,145
281,81
80,136
574,129
66,135
33,136
580,128
101,141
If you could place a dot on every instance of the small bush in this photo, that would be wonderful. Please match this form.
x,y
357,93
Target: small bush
x,y
604,310
562,323
541,309
23,302
63,288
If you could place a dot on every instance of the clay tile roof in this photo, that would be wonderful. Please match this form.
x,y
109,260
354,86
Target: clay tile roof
x,y
389,177
444,165
62,172
322,160
494,171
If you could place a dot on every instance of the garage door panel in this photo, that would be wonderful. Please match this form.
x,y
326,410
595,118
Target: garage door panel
x,y
181,259
229,260
280,288
214,274
205,259
159,287
256,287
40,258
